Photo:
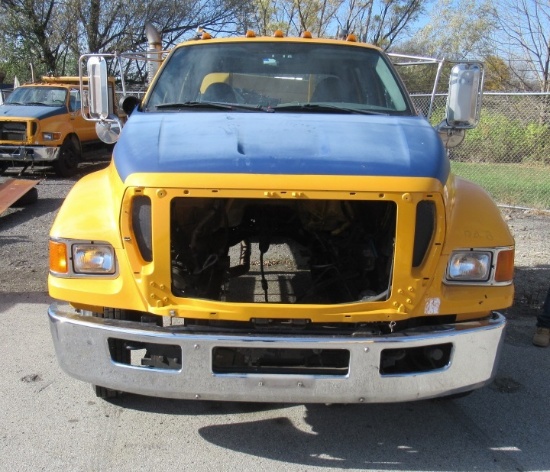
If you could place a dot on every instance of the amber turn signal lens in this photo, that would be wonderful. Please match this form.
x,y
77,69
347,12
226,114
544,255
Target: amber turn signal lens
x,y
58,258
505,266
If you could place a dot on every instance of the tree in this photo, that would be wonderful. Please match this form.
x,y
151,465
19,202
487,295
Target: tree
x,y
293,17
315,16
53,34
33,29
498,76
261,16
524,38
380,22
456,30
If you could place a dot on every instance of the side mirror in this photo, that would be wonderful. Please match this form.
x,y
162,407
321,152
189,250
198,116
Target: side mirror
x,y
98,90
109,131
464,99
108,126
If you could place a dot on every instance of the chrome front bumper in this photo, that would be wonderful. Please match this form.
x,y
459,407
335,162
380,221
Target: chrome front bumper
x,y
81,344
29,153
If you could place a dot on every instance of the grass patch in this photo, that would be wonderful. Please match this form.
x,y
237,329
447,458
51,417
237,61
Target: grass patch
x,y
510,184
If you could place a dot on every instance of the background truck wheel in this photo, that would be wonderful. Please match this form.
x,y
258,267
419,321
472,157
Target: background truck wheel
x,y
70,156
118,352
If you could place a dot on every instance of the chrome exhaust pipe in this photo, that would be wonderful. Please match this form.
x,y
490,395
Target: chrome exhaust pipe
x,y
153,52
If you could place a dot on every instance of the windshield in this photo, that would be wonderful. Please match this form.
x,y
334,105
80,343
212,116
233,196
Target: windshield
x,y
278,76
50,96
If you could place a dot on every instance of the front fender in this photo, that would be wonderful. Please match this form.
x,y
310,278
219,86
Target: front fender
x,y
91,211
473,219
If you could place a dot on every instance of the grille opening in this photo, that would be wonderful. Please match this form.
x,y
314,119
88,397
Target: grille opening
x,y
267,251
230,360
415,360
13,131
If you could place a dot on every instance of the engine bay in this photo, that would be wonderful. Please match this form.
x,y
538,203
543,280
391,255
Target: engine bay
x,y
282,251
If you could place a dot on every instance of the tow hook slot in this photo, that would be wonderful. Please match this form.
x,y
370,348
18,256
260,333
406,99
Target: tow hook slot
x,y
145,355
415,359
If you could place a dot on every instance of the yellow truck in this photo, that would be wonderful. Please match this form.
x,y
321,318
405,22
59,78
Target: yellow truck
x,y
280,224
42,124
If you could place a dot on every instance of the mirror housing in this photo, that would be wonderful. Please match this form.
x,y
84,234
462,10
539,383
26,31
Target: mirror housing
x,y
464,99
463,103
98,90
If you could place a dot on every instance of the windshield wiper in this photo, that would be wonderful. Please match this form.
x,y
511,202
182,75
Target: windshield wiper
x,y
211,105
219,106
320,108
35,103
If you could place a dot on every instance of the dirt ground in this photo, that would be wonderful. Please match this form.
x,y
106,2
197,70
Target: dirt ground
x,y
531,230
24,243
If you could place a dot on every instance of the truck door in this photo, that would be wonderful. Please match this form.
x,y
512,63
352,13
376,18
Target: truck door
x,y
83,128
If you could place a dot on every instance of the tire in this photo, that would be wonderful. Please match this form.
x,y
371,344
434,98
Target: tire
x,y
118,352
70,155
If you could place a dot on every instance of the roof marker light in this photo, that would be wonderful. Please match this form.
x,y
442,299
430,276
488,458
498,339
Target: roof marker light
x,y
250,34
306,34
278,34
352,38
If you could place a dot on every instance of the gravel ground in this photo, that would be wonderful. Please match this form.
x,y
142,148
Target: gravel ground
x,y
24,242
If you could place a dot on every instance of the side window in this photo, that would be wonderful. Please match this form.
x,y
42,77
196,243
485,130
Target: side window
x,y
394,97
74,100
55,97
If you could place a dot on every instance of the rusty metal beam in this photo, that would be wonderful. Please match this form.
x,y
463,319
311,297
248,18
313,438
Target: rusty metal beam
x,y
12,190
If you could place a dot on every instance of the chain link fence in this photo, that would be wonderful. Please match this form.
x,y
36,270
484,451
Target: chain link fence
x,y
509,152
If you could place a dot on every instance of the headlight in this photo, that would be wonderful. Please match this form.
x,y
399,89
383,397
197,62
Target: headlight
x,y
469,266
93,259
77,258
51,136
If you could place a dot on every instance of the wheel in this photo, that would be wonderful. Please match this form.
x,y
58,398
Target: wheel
x,y
70,155
118,352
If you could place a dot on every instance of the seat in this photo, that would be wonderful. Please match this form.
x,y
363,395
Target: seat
x,y
219,92
72,103
328,90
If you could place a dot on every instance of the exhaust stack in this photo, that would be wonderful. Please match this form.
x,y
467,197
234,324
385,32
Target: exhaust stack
x,y
153,51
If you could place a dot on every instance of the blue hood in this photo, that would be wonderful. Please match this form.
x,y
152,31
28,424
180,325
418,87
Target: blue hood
x,y
31,111
280,143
